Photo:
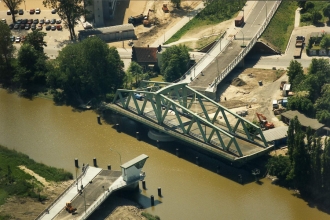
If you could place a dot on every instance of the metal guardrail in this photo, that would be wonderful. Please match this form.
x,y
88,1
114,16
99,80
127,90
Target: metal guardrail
x,y
62,194
238,59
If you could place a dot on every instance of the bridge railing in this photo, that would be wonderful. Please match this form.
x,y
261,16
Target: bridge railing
x,y
101,199
206,55
62,194
238,59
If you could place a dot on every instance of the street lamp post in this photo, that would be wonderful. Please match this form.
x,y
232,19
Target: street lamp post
x,y
24,5
117,153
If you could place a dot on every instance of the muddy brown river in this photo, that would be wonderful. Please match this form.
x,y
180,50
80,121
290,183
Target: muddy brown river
x,y
55,135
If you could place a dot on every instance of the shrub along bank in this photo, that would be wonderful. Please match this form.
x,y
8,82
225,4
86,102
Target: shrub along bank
x,y
14,181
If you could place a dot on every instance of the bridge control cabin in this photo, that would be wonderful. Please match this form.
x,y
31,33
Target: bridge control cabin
x,y
132,170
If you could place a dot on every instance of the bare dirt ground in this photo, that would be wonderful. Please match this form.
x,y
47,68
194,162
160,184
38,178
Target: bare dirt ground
x,y
241,91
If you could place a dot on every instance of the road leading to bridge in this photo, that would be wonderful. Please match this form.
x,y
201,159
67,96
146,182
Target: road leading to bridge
x,y
219,63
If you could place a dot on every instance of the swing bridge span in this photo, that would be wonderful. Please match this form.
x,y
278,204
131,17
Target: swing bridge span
x,y
187,115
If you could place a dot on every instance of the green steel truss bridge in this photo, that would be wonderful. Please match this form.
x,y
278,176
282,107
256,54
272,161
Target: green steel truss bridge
x,y
185,114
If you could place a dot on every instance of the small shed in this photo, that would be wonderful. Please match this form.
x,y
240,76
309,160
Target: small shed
x,y
131,170
276,136
286,89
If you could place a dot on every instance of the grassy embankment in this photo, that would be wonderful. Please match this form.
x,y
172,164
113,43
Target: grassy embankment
x,y
214,13
14,181
280,27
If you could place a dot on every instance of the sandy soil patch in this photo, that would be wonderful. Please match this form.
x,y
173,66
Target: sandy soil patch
x,y
35,175
126,212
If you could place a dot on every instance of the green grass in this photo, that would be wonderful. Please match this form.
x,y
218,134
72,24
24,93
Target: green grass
x,y
14,181
159,78
280,27
318,6
149,216
214,13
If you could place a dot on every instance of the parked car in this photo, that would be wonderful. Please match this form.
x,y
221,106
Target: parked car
x,y
22,26
48,27
47,21
53,28
53,21
54,11
23,38
33,26
32,11
18,39
16,26
38,10
12,38
27,27
8,12
15,11
42,21
4,21
39,27
36,21
30,21
11,26
18,21
59,27
24,21
20,12
58,21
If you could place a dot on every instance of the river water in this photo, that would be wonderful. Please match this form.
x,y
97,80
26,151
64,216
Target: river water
x,y
55,135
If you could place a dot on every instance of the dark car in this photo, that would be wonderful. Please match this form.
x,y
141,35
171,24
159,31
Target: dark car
x,y
27,27
18,21
47,21
36,21
48,27
8,12
53,11
53,21
42,21
22,26
53,28
59,27
29,21
20,11
11,26
16,26
58,21
33,26
32,11
15,11
24,21
12,38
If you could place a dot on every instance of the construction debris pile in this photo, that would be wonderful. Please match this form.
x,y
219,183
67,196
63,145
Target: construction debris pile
x,y
238,82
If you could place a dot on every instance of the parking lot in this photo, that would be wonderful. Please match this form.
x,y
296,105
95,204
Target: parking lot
x,y
55,39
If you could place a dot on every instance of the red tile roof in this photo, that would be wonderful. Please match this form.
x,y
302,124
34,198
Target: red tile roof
x,y
145,54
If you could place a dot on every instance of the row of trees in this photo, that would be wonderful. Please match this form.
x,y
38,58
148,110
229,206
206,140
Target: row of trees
x,y
312,90
70,12
307,166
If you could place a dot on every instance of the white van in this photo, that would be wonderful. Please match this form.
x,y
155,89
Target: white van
x,y
275,104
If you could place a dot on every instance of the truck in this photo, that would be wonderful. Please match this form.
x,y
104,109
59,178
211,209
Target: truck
x,y
300,41
297,52
136,19
239,21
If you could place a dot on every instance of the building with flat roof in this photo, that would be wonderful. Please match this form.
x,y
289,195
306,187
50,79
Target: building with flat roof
x,y
276,136
304,121
112,33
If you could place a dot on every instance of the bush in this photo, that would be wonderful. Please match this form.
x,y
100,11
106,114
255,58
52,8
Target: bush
x,y
306,17
109,97
149,216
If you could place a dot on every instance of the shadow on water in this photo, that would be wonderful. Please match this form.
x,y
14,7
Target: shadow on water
x,y
242,175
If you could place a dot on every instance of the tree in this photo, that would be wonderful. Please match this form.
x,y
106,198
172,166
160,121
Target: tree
x,y
279,166
316,16
36,39
136,71
177,3
295,70
326,11
316,168
31,68
69,11
175,62
87,70
326,166
12,6
325,42
6,52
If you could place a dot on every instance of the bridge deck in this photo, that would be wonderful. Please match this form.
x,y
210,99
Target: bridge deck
x,y
91,193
